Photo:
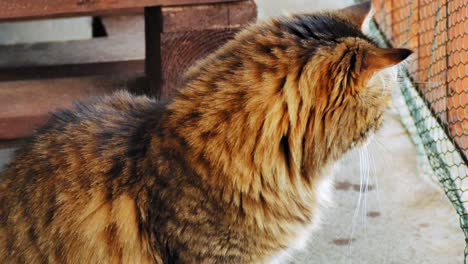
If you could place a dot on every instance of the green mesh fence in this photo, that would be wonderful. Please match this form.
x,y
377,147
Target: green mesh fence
x,y
434,87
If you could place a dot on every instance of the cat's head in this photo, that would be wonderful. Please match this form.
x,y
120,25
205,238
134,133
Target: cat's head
x,y
293,92
345,75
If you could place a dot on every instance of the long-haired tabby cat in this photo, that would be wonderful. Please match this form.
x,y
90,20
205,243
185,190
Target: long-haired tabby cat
x,y
231,170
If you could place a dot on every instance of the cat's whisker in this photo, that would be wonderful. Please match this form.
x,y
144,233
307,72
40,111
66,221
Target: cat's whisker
x,y
367,176
358,209
368,173
353,222
360,213
381,145
384,83
376,182
387,159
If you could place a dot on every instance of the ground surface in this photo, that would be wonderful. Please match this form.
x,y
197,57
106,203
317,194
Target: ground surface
x,y
407,220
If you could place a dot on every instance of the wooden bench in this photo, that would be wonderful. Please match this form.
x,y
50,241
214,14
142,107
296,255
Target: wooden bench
x,y
36,80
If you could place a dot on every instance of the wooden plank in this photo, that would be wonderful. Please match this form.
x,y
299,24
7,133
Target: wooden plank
x,y
12,143
72,70
31,9
123,51
195,17
203,17
242,13
106,49
25,105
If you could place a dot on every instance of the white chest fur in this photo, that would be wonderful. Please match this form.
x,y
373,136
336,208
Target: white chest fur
x,y
304,233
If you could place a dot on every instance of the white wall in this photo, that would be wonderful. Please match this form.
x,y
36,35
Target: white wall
x,y
267,8
45,30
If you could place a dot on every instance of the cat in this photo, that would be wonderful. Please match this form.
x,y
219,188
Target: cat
x,y
231,170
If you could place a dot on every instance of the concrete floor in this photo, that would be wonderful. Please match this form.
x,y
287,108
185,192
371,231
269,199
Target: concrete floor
x,y
407,219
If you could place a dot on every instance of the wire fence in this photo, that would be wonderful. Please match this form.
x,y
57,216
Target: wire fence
x,y
434,87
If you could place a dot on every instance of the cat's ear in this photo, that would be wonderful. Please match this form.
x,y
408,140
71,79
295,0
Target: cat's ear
x,y
376,59
358,13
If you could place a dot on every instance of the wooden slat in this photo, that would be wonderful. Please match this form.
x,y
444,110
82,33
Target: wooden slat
x,y
123,51
24,105
207,17
242,13
11,144
30,9
72,70
105,49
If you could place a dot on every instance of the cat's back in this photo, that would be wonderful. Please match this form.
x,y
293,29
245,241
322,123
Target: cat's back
x,y
72,190
90,135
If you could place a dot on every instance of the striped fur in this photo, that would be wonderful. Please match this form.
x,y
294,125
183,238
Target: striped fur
x,y
227,172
